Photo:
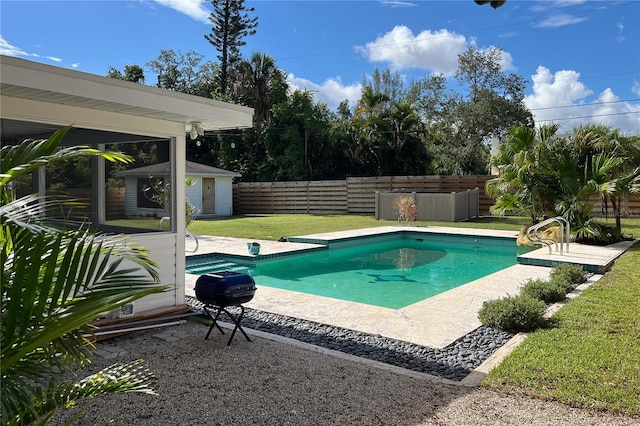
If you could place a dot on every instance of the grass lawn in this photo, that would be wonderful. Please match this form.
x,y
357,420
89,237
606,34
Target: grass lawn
x,y
274,226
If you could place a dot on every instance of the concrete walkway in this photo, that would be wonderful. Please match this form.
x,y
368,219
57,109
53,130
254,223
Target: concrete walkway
x,y
435,322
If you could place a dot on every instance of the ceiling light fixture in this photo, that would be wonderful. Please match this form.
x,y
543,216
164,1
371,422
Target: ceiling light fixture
x,y
196,130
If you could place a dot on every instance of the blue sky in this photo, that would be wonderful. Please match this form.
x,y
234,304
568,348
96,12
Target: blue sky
x,y
581,58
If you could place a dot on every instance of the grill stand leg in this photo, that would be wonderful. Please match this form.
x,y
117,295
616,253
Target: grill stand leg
x,y
219,309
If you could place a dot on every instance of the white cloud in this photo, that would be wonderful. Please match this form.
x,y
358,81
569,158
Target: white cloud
x,y
396,3
435,51
544,6
507,61
636,87
562,98
621,37
332,91
566,3
8,49
193,8
561,88
559,20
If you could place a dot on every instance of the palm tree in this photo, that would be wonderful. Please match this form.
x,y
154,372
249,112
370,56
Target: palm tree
x,y
55,282
369,120
260,85
523,186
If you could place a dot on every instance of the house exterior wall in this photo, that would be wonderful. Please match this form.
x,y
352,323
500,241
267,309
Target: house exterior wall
x,y
42,94
162,248
165,246
224,196
194,192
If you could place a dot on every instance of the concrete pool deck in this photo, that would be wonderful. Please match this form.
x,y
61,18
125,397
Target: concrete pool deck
x,y
435,322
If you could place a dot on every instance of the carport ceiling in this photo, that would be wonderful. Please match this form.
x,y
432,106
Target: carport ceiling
x,y
28,80
15,131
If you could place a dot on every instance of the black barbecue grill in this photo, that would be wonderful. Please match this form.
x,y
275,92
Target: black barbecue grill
x,y
221,290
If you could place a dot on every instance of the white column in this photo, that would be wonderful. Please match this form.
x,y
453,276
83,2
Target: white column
x,y
179,211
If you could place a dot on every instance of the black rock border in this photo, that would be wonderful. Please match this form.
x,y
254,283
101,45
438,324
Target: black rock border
x,y
454,362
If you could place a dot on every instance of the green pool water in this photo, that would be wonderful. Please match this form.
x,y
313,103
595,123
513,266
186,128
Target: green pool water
x,y
392,274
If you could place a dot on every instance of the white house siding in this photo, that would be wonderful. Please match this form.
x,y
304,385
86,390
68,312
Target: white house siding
x,y
162,249
224,195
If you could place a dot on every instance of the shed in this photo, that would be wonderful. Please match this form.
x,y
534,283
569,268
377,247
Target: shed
x,y
210,191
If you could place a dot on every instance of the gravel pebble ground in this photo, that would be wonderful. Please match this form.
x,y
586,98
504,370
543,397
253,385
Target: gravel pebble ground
x,y
266,382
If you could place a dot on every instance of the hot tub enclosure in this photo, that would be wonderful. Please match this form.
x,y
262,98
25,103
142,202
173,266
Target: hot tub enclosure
x,y
440,207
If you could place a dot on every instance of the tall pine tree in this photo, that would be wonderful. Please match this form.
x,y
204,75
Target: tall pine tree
x,y
231,24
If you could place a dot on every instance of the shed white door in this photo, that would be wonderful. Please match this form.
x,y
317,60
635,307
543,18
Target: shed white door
x,y
208,196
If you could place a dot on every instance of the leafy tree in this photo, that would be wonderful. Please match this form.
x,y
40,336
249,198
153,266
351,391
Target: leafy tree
x,y
184,72
231,24
493,104
133,73
244,152
410,156
297,137
460,123
159,191
389,86
611,165
370,124
54,282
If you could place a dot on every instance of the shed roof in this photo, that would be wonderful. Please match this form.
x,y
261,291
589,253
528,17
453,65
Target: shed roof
x,y
191,169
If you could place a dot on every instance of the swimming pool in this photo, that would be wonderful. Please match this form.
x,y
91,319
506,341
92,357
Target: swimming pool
x,y
390,271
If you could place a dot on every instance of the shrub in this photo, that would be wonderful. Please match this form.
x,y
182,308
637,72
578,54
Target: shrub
x,y
519,313
567,275
562,282
547,291
406,208
596,233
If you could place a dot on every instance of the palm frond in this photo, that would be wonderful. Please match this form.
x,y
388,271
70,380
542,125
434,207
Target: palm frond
x,y
48,285
18,160
55,281
132,377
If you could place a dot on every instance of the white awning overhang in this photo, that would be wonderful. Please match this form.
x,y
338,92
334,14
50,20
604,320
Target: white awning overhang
x,y
31,81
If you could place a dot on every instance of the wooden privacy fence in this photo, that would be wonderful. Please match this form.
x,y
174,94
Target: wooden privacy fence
x,y
358,195
353,195
630,207
114,202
